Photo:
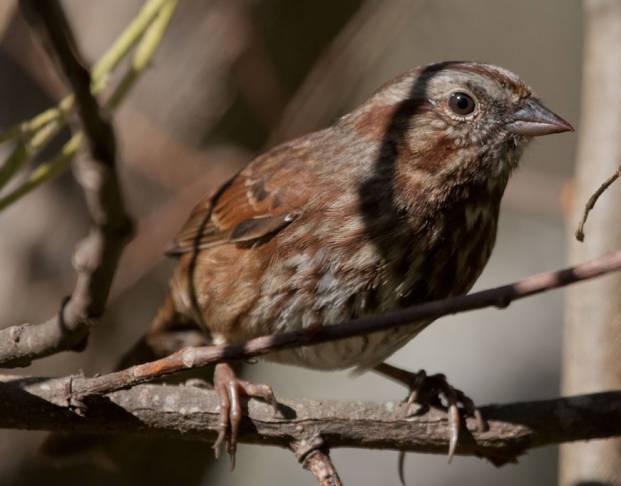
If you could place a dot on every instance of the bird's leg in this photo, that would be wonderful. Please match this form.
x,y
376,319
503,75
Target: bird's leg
x,y
229,389
428,390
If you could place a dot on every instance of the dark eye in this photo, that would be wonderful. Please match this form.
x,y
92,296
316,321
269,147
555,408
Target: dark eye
x,y
461,103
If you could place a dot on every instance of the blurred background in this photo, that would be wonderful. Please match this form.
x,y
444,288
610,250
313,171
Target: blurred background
x,y
230,79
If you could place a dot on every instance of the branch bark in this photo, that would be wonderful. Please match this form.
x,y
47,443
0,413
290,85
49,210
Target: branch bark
x,y
97,256
192,412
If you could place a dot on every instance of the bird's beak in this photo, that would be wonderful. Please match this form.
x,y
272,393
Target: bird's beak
x,y
534,119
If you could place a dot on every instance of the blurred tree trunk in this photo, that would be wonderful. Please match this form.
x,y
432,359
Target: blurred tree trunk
x,y
592,347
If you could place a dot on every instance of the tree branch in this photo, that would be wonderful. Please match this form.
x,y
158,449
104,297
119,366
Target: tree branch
x,y
195,357
97,256
192,412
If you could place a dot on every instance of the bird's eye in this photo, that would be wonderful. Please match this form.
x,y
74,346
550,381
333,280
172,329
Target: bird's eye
x,y
461,103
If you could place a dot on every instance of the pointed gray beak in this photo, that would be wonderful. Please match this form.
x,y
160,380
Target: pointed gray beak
x,y
534,119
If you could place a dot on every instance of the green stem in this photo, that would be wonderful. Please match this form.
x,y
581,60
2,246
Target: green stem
x,y
15,162
144,53
45,172
128,39
108,62
26,149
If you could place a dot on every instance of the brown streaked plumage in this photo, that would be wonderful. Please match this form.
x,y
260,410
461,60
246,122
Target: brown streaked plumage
x,y
396,203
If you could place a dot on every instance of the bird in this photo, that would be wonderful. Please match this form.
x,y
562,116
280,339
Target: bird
x,y
395,204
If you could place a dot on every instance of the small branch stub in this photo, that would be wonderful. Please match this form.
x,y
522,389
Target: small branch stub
x,y
313,454
320,465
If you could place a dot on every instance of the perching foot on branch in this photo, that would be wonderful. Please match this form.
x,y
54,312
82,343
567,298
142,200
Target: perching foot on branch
x,y
229,389
434,391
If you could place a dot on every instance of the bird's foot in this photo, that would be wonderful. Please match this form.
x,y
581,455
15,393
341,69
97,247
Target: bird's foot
x,y
229,389
434,391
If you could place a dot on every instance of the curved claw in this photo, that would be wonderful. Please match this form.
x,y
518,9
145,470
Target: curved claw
x,y
454,419
235,416
482,425
427,390
232,456
401,467
225,407
472,411
454,426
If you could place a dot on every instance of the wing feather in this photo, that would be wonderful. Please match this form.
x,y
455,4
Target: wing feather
x,y
255,204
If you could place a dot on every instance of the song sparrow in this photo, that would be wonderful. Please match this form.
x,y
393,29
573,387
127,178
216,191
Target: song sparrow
x,y
396,203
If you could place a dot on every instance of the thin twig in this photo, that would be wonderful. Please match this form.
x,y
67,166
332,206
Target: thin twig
x,y
592,200
97,256
195,357
53,26
192,413
33,135
100,75
144,52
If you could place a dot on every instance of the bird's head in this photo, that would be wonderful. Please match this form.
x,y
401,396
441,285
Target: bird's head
x,y
456,118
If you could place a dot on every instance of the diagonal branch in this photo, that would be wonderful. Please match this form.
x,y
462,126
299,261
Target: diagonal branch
x,y
97,256
195,357
192,412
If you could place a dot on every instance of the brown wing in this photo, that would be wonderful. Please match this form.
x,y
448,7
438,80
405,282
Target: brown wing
x,y
256,203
